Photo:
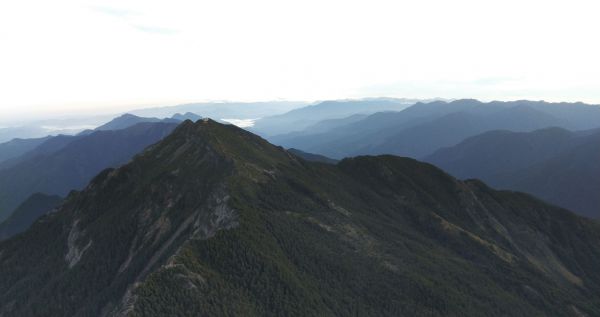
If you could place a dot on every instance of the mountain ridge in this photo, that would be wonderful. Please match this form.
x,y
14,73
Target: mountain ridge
x,y
395,132
554,164
215,220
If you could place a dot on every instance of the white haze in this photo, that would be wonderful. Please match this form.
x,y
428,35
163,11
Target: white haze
x,y
82,57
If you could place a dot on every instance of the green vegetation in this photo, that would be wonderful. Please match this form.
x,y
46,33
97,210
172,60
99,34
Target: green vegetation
x,y
216,221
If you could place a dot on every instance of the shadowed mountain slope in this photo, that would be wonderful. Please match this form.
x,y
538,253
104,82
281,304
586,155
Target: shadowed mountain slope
x,y
569,179
29,211
312,157
497,152
554,164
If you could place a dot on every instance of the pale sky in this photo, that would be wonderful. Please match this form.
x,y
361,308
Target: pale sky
x,y
63,55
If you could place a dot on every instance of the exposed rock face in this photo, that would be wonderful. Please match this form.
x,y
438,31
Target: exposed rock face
x,y
74,252
204,224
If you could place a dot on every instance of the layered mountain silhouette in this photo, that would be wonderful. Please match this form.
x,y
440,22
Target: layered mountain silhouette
x,y
214,220
420,130
224,109
312,157
18,150
17,147
64,163
50,145
304,118
28,212
127,120
317,128
554,164
30,132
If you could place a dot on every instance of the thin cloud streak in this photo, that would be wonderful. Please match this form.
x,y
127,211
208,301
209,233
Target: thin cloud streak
x,y
115,12
130,17
155,29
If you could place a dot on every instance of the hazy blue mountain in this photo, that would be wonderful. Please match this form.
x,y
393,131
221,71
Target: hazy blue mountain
x,y
570,180
18,147
350,136
57,172
28,212
216,221
327,125
22,132
493,153
345,138
35,130
51,145
317,128
186,116
420,130
20,150
224,110
574,116
312,157
127,120
425,138
554,164
302,118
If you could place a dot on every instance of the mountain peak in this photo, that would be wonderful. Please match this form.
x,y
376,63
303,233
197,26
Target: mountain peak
x,y
127,116
124,121
230,142
215,220
186,116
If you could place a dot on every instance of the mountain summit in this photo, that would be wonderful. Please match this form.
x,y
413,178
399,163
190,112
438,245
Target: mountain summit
x,y
214,220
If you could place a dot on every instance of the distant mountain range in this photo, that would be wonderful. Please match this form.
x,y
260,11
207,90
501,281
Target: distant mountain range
x,y
128,120
213,220
554,164
31,132
13,149
11,152
17,147
224,109
34,128
303,118
422,129
49,146
312,157
62,164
